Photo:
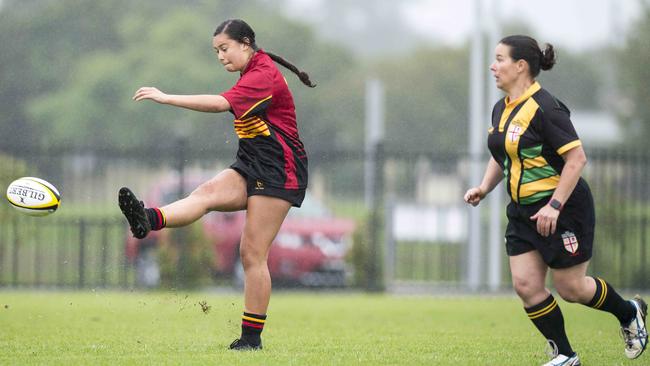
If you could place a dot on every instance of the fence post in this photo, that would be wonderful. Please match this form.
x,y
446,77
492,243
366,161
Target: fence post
x,y
644,231
180,233
60,257
373,178
125,264
374,265
103,254
3,241
389,245
37,256
15,263
82,254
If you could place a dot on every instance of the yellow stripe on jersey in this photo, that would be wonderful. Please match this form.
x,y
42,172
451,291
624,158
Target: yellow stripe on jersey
x,y
255,105
517,127
537,162
568,146
531,188
240,125
244,120
253,127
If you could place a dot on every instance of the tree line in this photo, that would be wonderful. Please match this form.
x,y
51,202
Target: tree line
x,y
68,70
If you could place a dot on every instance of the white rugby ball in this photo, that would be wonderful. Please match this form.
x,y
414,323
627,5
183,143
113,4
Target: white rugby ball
x,y
33,196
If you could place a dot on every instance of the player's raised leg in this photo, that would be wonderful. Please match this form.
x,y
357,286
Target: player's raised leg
x,y
224,192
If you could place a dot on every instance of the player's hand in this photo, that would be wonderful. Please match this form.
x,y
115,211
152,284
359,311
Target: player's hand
x,y
148,92
473,196
546,219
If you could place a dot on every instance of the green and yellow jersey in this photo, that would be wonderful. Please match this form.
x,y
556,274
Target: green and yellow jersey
x,y
527,138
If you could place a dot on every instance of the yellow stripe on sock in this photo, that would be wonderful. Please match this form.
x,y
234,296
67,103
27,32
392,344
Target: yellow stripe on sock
x,y
544,311
253,319
603,293
162,213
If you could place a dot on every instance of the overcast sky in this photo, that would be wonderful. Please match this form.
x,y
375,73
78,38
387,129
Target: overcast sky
x,y
578,24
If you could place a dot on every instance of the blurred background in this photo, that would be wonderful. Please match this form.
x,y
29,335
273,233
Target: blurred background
x,y
395,133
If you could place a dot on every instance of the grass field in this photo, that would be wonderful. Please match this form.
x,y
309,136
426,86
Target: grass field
x,y
170,328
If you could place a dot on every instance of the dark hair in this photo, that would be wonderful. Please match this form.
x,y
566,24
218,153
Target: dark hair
x,y
526,48
241,32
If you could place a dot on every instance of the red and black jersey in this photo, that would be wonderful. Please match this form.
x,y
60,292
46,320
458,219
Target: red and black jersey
x,y
527,138
270,149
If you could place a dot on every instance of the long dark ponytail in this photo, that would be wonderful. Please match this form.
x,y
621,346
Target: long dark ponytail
x,y
240,31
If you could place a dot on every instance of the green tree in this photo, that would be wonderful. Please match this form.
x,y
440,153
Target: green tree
x,y
426,100
635,82
40,41
575,79
173,52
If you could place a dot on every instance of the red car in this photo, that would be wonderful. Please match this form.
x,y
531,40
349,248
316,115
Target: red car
x,y
309,249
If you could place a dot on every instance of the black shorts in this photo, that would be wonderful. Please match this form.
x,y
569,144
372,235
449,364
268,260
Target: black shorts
x,y
256,187
572,242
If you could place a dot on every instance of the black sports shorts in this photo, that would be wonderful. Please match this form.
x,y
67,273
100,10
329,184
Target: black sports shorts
x,y
572,242
257,187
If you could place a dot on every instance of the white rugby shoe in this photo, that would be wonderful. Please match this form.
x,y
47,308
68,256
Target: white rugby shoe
x,y
635,334
560,360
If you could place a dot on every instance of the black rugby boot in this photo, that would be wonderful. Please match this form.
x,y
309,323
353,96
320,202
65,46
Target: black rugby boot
x,y
243,345
133,210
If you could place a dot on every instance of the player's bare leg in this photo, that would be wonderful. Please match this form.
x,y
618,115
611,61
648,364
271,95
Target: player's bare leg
x,y
224,192
264,216
528,278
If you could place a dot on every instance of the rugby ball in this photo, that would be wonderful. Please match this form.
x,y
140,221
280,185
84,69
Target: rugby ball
x,y
33,196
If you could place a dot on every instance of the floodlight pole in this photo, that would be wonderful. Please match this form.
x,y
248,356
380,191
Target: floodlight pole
x,y
374,178
374,134
495,235
476,131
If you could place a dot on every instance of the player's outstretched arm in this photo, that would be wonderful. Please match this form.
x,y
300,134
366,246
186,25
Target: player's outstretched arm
x,y
492,177
201,103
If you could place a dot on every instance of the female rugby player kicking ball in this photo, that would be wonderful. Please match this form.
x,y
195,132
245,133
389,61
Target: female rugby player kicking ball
x,y
269,174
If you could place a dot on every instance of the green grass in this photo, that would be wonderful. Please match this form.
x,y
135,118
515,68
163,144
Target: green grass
x,y
169,328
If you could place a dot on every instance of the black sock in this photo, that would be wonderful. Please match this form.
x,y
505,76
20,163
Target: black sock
x,y
607,299
251,327
156,218
548,319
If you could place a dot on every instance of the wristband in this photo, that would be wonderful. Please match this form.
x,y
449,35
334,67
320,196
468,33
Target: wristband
x,y
556,204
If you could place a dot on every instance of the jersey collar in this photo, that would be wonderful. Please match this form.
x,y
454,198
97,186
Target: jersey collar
x,y
530,91
255,59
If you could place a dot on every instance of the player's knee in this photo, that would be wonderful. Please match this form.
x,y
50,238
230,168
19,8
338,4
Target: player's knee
x,y
203,196
202,192
250,256
569,291
526,289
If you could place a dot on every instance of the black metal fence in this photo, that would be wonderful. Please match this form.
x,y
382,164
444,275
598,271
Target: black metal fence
x,y
83,244
63,253
619,181
620,184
